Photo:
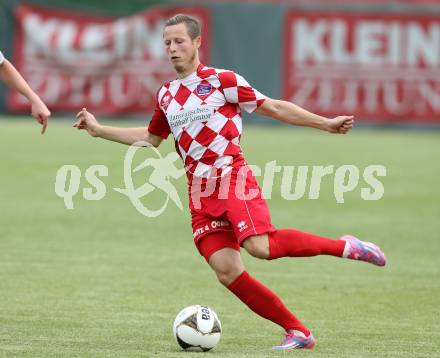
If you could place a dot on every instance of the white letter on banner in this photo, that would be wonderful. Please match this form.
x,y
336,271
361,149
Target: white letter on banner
x,y
308,41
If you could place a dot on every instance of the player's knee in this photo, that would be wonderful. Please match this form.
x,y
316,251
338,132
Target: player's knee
x,y
257,246
227,276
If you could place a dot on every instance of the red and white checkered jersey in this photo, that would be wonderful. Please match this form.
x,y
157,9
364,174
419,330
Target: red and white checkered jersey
x,y
203,111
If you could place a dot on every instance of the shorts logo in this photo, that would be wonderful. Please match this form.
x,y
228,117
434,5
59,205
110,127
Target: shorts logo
x,y
242,226
203,89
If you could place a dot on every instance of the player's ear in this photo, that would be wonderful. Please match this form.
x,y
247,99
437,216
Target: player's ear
x,y
198,41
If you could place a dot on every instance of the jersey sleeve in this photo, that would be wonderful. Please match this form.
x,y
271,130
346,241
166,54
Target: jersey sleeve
x,y
237,90
2,58
159,125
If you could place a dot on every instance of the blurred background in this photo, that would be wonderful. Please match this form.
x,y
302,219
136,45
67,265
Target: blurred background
x,y
377,59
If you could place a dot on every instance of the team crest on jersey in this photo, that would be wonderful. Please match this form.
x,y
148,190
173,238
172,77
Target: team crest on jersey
x,y
204,89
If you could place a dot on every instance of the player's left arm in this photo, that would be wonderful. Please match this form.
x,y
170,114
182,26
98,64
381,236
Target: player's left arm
x,y
291,113
14,80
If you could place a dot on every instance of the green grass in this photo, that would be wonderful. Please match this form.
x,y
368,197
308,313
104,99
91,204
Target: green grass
x,y
103,281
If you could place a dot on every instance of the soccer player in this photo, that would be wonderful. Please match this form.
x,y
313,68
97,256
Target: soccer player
x,y
14,80
202,109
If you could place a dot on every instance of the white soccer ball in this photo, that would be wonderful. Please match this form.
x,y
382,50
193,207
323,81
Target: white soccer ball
x,y
197,328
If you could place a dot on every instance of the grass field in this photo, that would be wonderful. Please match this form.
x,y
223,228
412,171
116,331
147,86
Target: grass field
x,y
103,281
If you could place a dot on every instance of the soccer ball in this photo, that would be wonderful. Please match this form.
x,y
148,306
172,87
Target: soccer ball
x,y
197,328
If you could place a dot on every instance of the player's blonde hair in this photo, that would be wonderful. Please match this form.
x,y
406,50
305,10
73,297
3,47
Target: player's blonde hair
x,y
192,24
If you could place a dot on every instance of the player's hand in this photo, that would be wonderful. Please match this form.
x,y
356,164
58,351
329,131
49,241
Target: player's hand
x,y
340,124
41,113
86,120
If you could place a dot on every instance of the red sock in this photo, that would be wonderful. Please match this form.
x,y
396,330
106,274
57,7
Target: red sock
x,y
264,302
294,243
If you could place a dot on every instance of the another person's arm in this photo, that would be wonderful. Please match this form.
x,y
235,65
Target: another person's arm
x,y
14,80
129,136
290,113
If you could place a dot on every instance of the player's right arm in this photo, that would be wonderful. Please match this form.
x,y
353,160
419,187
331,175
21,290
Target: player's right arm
x,y
139,136
158,129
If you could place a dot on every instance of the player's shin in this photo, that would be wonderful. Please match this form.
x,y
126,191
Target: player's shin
x,y
265,303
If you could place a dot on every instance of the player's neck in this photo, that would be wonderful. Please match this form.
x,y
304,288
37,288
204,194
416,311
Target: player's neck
x,y
187,71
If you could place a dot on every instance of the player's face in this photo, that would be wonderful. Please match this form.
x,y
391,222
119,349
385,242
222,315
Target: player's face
x,y
182,51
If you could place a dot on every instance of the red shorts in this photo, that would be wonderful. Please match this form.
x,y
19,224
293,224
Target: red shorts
x,y
242,215
215,241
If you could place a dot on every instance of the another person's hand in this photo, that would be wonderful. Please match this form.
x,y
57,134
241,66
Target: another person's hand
x,y
87,121
340,124
41,113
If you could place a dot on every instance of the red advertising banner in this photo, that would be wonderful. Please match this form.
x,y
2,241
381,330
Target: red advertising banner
x,y
109,65
380,67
